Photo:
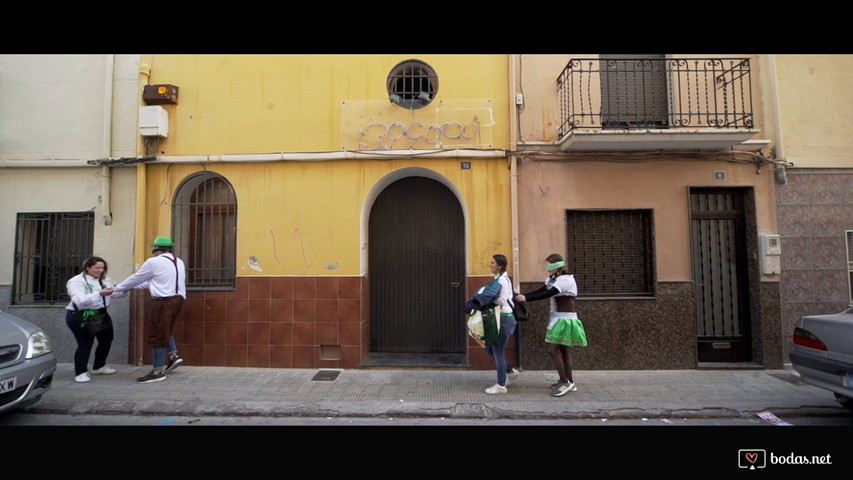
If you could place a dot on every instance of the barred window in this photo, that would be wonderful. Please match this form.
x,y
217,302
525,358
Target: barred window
x,y
50,248
633,91
204,222
611,252
412,84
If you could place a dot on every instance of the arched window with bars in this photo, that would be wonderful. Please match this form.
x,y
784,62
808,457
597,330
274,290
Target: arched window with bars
x,y
204,226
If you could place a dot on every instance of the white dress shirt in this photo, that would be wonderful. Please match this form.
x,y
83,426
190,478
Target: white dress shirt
x,y
158,275
85,292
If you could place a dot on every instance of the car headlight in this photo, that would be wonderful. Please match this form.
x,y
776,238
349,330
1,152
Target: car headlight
x,y
38,345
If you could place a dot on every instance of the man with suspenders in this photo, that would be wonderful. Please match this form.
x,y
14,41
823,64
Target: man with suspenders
x,y
165,277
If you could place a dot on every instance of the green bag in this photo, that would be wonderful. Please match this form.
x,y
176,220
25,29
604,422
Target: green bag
x,y
491,326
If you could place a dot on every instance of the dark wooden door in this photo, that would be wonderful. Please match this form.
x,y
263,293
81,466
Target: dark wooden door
x,y
417,269
719,275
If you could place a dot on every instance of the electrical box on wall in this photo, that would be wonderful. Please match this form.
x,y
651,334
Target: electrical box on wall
x,y
160,94
770,247
153,121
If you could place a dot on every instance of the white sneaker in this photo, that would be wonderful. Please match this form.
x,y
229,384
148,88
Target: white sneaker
x,y
563,389
105,370
83,378
514,374
495,389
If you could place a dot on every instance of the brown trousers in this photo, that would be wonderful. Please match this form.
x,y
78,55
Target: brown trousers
x,y
160,320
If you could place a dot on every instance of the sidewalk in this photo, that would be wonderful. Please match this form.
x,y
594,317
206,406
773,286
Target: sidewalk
x,y
602,394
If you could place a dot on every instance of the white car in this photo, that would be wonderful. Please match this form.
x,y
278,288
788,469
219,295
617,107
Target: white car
x,y
27,363
823,353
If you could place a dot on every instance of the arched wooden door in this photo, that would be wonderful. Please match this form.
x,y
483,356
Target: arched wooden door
x,y
417,269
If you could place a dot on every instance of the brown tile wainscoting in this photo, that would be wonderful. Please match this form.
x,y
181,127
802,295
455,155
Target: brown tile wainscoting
x,y
284,322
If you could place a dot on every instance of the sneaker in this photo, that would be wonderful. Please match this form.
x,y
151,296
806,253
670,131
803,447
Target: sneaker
x,y
174,362
514,374
83,378
563,389
572,387
105,370
496,389
152,377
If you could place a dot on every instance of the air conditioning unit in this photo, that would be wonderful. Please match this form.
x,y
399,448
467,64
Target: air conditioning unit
x,y
153,121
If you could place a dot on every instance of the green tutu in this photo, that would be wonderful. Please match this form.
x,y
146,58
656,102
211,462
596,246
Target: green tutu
x,y
565,328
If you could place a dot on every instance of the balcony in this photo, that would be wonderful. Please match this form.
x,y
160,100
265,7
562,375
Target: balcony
x,y
629,104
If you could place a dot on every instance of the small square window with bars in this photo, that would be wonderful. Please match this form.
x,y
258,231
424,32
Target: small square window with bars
x,y
610,252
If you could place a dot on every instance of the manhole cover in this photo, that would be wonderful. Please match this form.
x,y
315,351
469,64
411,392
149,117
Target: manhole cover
x,y
327,375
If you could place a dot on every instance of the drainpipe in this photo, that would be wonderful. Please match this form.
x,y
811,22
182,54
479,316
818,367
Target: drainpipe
x,y
513,169
139,223
513,189
781,177
325,156
46,163
108,140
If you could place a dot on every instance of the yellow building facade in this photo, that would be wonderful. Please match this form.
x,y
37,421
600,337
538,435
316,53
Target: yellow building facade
x,y
331,209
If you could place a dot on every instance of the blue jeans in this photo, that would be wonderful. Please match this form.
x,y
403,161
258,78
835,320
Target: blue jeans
x,y
160,354
498,352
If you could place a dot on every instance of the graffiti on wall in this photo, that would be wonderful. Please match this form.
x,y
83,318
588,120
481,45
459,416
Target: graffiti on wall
x,y
387,136
377,125
254,262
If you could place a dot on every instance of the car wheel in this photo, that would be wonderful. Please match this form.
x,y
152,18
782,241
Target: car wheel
x,y
847,402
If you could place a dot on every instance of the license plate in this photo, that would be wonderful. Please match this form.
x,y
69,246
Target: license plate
x,y
7,384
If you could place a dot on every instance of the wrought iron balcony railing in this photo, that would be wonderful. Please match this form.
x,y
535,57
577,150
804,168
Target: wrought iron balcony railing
x,y
644,93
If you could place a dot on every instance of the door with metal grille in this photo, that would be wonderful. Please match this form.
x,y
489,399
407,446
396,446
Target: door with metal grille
x,y
719,275
417,269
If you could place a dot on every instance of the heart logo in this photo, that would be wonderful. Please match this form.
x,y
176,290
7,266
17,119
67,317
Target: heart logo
x,y
752,457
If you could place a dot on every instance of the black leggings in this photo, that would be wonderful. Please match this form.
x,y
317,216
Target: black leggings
x,y
85,341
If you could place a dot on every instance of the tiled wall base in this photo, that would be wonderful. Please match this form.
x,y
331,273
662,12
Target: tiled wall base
x,y
284,322
322,322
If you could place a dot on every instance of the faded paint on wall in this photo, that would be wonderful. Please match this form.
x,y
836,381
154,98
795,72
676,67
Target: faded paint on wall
x,y
814,99
548,188
232,104
52,107
306,218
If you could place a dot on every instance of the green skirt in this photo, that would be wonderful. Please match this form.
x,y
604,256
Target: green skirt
x,y
565,328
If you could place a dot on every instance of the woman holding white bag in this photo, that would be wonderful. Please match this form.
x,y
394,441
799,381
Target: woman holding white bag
x,y
506,324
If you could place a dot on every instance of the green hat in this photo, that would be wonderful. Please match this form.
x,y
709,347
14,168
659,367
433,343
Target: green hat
x,y
163,242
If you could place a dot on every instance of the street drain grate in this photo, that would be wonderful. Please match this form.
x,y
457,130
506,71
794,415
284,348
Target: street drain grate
x,y
327,375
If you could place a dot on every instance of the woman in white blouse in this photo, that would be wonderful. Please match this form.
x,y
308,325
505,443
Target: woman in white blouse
x,y
89,290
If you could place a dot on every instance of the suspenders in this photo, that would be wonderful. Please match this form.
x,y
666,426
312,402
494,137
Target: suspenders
x,y
175,263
